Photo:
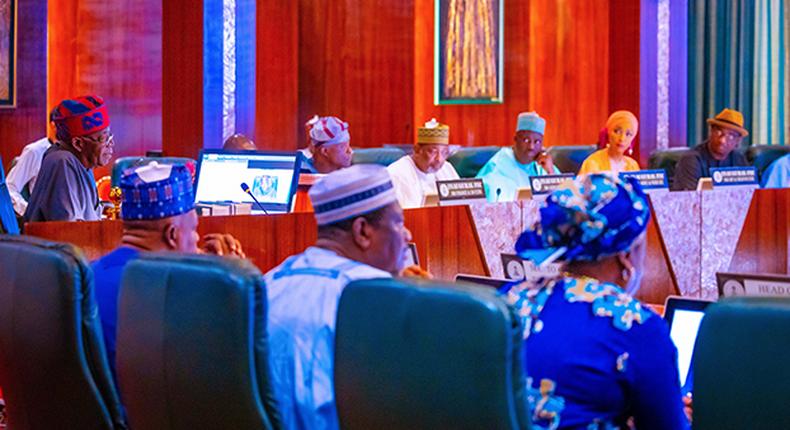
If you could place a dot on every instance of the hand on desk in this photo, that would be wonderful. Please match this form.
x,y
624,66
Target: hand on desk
x,y
221,244
416,272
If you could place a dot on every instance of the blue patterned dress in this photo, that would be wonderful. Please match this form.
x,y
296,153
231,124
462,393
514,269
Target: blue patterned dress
x,y
596,358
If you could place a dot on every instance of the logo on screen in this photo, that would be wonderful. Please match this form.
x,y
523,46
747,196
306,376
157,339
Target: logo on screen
x,y
265,187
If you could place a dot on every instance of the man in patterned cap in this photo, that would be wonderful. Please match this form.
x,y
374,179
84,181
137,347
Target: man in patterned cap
x,y
415,175
330,145
158,213
65,189
360,236
511,167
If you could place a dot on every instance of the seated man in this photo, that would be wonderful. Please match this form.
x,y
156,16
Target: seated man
x,y
330,146
158,215
239,142
66,189
414,176
25,172
778,173
360,236
511,167
725,134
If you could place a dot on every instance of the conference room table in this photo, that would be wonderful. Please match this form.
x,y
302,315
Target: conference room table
x,y
691,236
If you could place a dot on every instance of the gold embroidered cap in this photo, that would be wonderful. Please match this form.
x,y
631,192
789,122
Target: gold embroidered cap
x,y
433,133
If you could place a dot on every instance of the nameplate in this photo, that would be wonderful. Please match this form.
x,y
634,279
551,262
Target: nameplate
x,y
460,191
548,183
731,176
649,179
517,269
741,284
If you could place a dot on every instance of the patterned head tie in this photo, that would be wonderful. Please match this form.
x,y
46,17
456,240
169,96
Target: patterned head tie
x,y
156,191
351,192
592,217
81,116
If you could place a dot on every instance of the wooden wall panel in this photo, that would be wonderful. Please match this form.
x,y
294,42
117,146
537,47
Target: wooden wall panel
x,y
27,121
764,244
356,61
556,63
277,75
624,66
112,49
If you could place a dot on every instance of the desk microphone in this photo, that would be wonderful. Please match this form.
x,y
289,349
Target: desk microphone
x,y
498,192
246,189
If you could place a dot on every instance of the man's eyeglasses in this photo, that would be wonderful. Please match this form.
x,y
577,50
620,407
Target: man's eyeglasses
x,y
103,139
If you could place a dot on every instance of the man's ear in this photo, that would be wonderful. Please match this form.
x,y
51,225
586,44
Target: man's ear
x,y
77,144
362,232
170,236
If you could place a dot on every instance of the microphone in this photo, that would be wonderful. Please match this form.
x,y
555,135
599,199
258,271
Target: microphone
x,y
498,192
246,189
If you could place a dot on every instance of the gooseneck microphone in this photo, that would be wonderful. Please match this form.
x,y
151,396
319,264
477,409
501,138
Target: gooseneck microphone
x,y
498,192
246,189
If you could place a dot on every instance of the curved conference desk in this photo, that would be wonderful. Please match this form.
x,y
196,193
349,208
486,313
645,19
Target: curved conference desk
x,y
691,236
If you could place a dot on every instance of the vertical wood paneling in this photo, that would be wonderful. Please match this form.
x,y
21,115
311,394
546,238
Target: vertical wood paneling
x,y
112,49
27,121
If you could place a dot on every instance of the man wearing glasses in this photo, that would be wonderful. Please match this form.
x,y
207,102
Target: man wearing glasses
x,y
66,189
725,134
414,176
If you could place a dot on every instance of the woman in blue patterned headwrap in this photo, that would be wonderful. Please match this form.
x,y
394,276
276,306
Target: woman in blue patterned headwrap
x,y
596,358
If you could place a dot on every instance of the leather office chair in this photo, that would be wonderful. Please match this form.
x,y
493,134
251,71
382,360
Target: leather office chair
x,y
569,158
667,160
761,156
741,375
427,356
469,160
381,156
53,366
192,346
123,163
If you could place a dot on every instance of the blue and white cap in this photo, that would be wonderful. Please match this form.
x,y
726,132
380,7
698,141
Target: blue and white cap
x,y
156,191
351,192
531,121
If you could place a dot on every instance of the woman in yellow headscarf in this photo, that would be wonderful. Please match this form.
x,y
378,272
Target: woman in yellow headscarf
x,y
621,129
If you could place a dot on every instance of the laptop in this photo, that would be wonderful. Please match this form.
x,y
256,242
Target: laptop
x,y
684,317
485,281
272,177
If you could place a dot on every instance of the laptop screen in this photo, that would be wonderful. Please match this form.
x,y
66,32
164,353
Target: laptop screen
x,y
271,176
684,317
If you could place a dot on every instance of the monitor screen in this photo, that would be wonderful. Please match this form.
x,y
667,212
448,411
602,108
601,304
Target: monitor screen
x,y
684,329
271,176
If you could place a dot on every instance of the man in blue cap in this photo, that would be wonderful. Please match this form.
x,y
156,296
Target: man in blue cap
x,y
158,213
511,167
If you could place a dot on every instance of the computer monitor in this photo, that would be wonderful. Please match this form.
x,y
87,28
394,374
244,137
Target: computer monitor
x,y
684,317
272,177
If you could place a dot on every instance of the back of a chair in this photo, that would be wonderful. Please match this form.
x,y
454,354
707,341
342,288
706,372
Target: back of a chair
x,y
381,156
124,163
469,160
8,222
569,158
741,376
192,344
667,160
761,156
53,366
427,356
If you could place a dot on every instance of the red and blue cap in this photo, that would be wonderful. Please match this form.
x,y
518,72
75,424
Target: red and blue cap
x,y
81,116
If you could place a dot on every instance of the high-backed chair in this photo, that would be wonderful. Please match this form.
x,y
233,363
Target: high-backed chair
x,y
761,156
741,375
192,344
667,160
53,366
8,222
380,156
569,158
427,356
123,163
469,160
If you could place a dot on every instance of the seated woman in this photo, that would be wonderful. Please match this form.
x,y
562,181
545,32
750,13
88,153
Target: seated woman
x,y
595,357
620,131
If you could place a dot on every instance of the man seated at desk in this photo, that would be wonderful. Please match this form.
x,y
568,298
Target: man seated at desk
x,y
414,176
360,236
158,213
330,146
725,134
511,167
65,189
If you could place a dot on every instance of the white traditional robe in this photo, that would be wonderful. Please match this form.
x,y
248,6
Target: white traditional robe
x,y
411,184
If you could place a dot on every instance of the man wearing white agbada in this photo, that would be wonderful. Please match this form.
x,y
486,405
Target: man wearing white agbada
x,y
360,236
415,175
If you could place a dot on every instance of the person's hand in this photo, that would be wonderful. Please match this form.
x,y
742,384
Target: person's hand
x,y
222,245
416,272
545,161
688,406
